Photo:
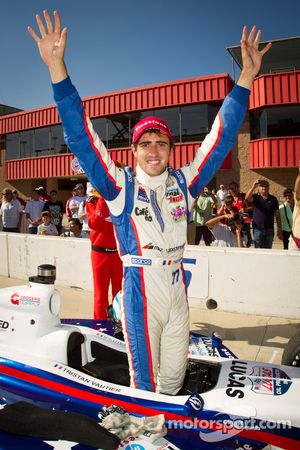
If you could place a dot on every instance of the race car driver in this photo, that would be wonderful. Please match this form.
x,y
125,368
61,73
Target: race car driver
x,y
150,208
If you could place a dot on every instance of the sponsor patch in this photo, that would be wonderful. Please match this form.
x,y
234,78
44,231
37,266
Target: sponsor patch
x,y
17,299
142,196
174,195
179,213
143,212
269,381
141,261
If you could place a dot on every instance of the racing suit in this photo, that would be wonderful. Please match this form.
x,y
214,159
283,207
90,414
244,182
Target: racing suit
x,y
106,264
150,216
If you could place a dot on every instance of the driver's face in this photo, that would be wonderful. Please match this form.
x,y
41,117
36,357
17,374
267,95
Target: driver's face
x,y
152,153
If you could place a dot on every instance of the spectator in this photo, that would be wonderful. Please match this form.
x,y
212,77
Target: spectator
x,y
33,210
295,240
286,216
82,215
10,212
106,263
68,211
74,228
243,208
221,194
16,197
227,206
227,229
43,196
47,228
78,198
265,207
203,212
56,208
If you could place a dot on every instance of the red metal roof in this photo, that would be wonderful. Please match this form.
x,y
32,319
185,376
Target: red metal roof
x,y
275,89
275,152
182,92
60,165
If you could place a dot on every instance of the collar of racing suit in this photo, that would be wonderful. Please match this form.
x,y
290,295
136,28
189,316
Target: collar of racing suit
x,y
151,182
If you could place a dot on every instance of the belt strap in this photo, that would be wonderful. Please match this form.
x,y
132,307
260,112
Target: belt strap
x,y
144,261
104,249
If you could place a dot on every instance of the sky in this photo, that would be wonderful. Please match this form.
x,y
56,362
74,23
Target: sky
x,y
115,44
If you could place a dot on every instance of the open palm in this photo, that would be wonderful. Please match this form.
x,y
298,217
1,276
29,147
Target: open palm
x,y
251,55
52,41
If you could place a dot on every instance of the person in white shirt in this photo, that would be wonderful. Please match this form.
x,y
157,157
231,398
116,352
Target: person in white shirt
x,y
221,194
227,230
46,227
74,229
77,199
10,212
33,209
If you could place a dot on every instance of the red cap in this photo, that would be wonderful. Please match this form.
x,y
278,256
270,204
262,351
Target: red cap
x,y
148,123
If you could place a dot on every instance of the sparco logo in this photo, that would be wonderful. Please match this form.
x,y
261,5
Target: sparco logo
x,y
4,325
143,212
141,261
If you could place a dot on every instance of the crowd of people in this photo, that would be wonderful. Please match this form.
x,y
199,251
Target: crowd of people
x,y
44,213
230,218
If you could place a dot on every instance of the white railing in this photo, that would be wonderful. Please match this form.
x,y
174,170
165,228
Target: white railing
x,y
250,281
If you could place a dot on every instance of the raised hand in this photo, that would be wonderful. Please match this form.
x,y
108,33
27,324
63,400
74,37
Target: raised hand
x,y
51,44
251,56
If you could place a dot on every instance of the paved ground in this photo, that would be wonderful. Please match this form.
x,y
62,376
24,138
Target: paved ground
x,y
252,337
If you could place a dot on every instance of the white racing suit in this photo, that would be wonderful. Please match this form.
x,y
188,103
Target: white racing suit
x,y
150,216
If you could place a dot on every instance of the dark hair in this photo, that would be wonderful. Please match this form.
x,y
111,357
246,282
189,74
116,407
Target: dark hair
x,y
288,191
76,221
231,223
264,183
53,191
228,199
46,213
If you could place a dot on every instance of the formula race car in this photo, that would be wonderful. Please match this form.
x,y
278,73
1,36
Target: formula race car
x,y
57,377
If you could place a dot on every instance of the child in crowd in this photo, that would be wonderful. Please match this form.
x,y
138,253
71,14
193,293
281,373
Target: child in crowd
x,y
46,227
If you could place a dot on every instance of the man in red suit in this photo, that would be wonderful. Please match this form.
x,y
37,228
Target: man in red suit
x,y
106,264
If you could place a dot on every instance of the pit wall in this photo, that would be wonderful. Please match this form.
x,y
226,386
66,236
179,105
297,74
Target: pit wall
x,y
250,281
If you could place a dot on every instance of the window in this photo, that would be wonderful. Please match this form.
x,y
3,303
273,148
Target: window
x,y
187,123
275,122
57,142
26,143
172,117
100,127
118,134
13,146
41,142
196,121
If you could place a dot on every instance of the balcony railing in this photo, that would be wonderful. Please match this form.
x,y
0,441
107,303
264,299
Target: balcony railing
x,y
275,152
275,89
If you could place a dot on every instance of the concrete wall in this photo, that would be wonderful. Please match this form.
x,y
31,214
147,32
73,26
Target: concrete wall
x,y
249,281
